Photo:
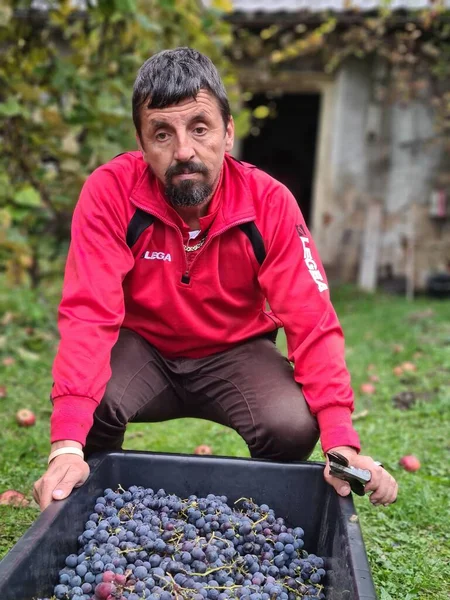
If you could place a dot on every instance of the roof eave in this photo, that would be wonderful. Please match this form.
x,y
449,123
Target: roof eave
x,y
285,18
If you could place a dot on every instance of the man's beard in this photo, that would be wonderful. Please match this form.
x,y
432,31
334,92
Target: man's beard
x,y
187,192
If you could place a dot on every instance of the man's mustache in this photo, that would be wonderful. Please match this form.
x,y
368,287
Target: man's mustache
x,y
186,168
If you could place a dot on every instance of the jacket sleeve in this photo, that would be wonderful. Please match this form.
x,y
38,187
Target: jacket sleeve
x,y
296,288
92,307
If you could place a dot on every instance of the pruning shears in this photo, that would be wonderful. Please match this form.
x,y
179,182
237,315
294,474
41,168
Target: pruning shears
x,y
357,478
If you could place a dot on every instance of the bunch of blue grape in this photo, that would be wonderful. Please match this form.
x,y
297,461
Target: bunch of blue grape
x,y
140,544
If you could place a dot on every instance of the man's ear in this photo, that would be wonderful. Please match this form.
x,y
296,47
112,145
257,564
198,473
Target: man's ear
x,y
229,135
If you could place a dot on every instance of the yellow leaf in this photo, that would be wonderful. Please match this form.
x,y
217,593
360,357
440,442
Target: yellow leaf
x,y
70,165
261,112
70,144
223,5
52,115
5,218
269,32
6,13
25,260
27,355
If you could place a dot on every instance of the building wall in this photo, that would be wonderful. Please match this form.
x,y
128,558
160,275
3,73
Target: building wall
x,y
384,155
369,154
338,231
411,240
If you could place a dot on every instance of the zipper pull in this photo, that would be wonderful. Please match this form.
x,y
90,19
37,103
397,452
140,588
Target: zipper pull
x,y
185,278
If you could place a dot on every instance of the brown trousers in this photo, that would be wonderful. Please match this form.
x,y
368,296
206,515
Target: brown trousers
x,y
249,388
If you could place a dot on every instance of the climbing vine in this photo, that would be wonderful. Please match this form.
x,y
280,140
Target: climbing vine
x,y
66,78
414,48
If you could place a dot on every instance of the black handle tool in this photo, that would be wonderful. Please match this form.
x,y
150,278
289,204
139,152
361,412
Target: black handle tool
x,y
357,478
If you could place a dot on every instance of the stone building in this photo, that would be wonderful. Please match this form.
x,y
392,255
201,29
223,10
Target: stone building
x,y
370,177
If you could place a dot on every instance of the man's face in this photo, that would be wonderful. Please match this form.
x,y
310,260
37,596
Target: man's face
x,y
185,145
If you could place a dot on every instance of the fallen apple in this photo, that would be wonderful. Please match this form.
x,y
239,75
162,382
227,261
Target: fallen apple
x,y
410,463
3,391
374,378
397,348
13,498
25,417
8,361
398,371
203,450
367,388
408,366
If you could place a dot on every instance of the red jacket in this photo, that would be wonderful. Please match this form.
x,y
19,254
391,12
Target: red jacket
x,y
220,302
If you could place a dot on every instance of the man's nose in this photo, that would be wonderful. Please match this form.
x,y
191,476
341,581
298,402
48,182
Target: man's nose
x,y
184,150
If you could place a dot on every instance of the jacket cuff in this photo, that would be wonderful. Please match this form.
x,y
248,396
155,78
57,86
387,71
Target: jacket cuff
x,y
72,418
336,428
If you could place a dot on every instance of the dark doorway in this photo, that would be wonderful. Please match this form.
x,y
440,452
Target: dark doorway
x,y
286,145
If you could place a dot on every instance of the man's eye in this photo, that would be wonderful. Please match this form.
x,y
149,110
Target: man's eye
x,y
200,130
162,136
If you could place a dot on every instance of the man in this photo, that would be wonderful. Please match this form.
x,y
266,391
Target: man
x,y
175,250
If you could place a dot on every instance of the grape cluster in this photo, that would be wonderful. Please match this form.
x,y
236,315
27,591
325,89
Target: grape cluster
x,y
140,544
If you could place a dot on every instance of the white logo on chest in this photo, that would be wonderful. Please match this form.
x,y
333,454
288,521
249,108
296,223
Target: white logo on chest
x,y
156,256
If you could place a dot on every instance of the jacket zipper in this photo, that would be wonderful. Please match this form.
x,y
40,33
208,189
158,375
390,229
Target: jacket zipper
x,y
208,241
186,278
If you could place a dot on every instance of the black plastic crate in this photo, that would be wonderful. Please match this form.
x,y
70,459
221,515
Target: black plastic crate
x,y
297,492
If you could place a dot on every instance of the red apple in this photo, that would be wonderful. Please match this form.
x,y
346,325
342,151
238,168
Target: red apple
x,y
408,366
397,371
203,449
397,348
13,498
410,463
3,391
8,361
374,378
367,388
25,417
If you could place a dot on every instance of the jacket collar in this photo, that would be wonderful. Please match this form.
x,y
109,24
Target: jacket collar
x,y
236,204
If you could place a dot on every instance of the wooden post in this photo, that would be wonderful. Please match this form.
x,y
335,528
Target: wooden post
x,y
410,256
368,266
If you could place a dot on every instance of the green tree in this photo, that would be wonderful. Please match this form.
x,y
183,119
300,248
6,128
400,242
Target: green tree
x,y
66,78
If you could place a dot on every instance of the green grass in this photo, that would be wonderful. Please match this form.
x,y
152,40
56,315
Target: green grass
x,y
408,544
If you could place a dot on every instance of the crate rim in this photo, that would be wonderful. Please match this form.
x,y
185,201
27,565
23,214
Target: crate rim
x,y
359,561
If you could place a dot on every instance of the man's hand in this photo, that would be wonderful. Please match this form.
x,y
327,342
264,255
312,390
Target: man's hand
x,y
383,486
64,473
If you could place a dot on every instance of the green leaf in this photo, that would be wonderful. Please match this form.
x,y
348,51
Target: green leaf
x,y
27,196
10,108
125,5
170,4
148,25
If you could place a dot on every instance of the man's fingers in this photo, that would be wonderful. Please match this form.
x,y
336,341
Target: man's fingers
x,y
73,477
36,488
391,495
341,487
42,492
377,475
383,486
386,491
59,480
